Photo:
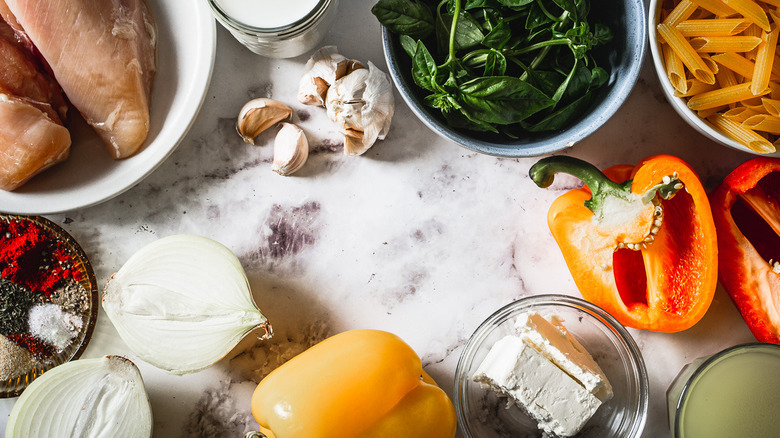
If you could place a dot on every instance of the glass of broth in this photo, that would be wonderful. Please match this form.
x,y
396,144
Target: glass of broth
x,y
733,393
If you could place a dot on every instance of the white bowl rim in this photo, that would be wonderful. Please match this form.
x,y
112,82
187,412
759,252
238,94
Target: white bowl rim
x,y
204,38
678,103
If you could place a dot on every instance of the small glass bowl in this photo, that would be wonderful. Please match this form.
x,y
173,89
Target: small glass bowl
x,y
14,386
285,41
692,378
481,414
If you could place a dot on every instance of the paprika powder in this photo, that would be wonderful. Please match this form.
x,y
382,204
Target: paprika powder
x,y
746,210
639,240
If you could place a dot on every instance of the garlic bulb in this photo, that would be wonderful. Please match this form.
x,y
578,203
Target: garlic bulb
x,y
257,115
291,149
361,102
87,398
324,67
182,302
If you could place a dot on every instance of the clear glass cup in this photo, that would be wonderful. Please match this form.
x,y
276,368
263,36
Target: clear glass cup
x,y
284,41
481,414
726,390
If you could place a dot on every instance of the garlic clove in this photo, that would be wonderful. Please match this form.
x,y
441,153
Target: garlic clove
x,y
84,398
291,149
257,115
353,142
324,67
182,302
362,101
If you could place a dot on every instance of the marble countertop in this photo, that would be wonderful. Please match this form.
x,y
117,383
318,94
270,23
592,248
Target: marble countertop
x,y
418,237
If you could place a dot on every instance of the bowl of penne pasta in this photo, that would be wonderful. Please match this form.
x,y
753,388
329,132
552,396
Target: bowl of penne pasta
x,y
719,67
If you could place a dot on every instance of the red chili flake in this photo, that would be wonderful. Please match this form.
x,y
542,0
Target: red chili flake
x,y
35,346
32,257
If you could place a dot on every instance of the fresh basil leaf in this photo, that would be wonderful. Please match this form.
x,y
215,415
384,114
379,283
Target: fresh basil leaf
x,y
562,117
468,33
495,64
424,68
599,77
408,44
498,37
536,17
515,4
406,17
546,81
570,7
579,84
601,34
459,119
501,99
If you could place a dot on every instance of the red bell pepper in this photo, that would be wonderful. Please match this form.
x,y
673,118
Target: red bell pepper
x,y
746,210
639,240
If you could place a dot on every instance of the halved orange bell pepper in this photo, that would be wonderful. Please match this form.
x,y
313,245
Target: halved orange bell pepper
x,y
639,240
746,209
357,384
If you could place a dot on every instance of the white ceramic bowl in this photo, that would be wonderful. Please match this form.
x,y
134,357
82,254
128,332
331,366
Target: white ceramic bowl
x,y
185,55
678,103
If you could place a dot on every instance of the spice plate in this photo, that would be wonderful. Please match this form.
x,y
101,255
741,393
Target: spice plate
x,y
48,283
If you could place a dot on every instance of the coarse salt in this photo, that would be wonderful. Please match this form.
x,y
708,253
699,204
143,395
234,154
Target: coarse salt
x,y
50,324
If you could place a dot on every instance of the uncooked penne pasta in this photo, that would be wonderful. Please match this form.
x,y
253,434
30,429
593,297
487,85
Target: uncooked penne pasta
x,y
712,65
739,114
736,63
680,13
771,106
763,123
751,11
710,111
742,134
764,59
687,55
713,27
717,7
755,31
726,78
775,3
675,70
725,44
723,96
694,87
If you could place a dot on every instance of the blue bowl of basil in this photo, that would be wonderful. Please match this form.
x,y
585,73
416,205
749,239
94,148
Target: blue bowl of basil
x,y
513,78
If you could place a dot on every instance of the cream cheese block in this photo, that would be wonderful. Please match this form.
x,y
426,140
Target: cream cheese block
x,y
547,373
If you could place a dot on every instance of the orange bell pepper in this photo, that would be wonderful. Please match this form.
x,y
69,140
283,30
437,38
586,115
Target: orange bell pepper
x,y
639,240
357,384
746,209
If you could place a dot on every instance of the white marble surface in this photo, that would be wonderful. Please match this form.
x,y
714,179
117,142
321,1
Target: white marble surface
x,y
418,237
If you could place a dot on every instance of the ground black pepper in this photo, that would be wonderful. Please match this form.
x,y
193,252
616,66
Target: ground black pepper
x,y
15,303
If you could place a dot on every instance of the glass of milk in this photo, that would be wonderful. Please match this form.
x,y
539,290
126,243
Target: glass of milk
x,y
274,28
733,393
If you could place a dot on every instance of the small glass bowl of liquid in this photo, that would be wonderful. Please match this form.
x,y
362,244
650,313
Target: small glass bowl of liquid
x,y
733,393
273,28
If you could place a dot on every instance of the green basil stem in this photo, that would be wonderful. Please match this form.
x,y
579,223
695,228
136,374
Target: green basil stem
x,y
451,57
546,49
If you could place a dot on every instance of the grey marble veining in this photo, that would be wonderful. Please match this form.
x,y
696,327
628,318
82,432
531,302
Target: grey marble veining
x,y
418,237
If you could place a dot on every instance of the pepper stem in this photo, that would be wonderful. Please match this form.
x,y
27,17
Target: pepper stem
x,y
543,173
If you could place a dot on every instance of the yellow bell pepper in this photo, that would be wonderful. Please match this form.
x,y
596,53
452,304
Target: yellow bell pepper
x,y
357,384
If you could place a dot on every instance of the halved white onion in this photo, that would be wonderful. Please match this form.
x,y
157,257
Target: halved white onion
x,y
182,303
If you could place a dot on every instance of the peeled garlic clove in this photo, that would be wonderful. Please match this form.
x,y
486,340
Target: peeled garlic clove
x,y
182,303
291,149
84,398
362,101
324,67
257,115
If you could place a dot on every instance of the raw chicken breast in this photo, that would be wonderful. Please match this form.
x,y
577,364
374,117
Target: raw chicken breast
x,y
32,137
102,53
